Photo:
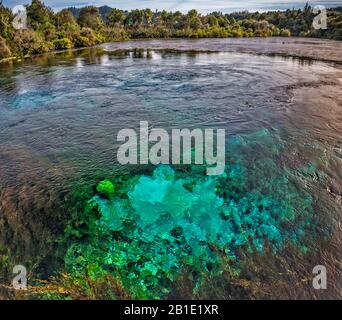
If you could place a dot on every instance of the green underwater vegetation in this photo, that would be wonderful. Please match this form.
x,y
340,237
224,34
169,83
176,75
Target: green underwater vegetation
x,y
105,187
147,229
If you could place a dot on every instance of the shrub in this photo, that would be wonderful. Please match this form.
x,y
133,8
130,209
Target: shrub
x,y
5,52
48,30
90,34
80,42
115,34
31,42
285,33
99,38
62,44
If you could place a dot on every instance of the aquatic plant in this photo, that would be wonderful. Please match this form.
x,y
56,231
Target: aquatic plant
x,y
105,187
155,226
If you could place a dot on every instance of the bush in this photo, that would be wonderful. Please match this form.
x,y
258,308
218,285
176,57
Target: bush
x,y
31,42
81,42
48,30
99,38
5,52
285,33
90,34
87,38
62,44
115,34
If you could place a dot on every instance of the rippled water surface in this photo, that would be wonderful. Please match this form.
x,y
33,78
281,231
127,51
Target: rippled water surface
x,y
60,114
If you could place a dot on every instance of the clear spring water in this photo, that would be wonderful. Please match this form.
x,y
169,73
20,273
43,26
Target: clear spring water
x,y
59,116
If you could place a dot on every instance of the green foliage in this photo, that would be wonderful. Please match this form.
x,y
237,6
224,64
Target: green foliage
x,y
48,31
285,33
90,26
66,21
90,18
30,42
115,34
99,38
91,35
5,52
81,42
294,22
136,18
106,187
62,44
6,18
116,18
38,14
213,21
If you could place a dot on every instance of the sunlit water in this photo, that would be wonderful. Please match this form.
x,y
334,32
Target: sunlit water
x,y
60,114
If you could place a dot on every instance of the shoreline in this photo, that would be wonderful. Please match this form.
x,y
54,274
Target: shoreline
x,y
316,49
306,48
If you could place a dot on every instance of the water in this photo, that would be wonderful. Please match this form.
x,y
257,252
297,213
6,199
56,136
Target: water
x,y
60,114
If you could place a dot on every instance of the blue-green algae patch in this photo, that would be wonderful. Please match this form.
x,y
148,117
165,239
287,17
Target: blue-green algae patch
x,y
147,229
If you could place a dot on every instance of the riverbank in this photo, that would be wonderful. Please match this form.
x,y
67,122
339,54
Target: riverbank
x,y
301,48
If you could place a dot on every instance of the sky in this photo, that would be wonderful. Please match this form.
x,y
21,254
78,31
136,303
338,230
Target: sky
x,y
202,6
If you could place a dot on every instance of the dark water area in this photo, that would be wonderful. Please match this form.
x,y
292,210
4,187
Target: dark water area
x,y
60,115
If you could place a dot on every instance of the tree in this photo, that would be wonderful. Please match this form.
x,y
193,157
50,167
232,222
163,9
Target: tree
x,y
166,18
65,17
90,18
213,21
148,16
116,17
38,14
177,16
192,14
6,18
135,18
194,22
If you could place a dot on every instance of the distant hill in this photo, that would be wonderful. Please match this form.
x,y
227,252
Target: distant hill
x,y
75,11
104,11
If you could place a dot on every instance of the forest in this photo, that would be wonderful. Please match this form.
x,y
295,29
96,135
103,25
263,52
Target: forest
x,y
88,26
